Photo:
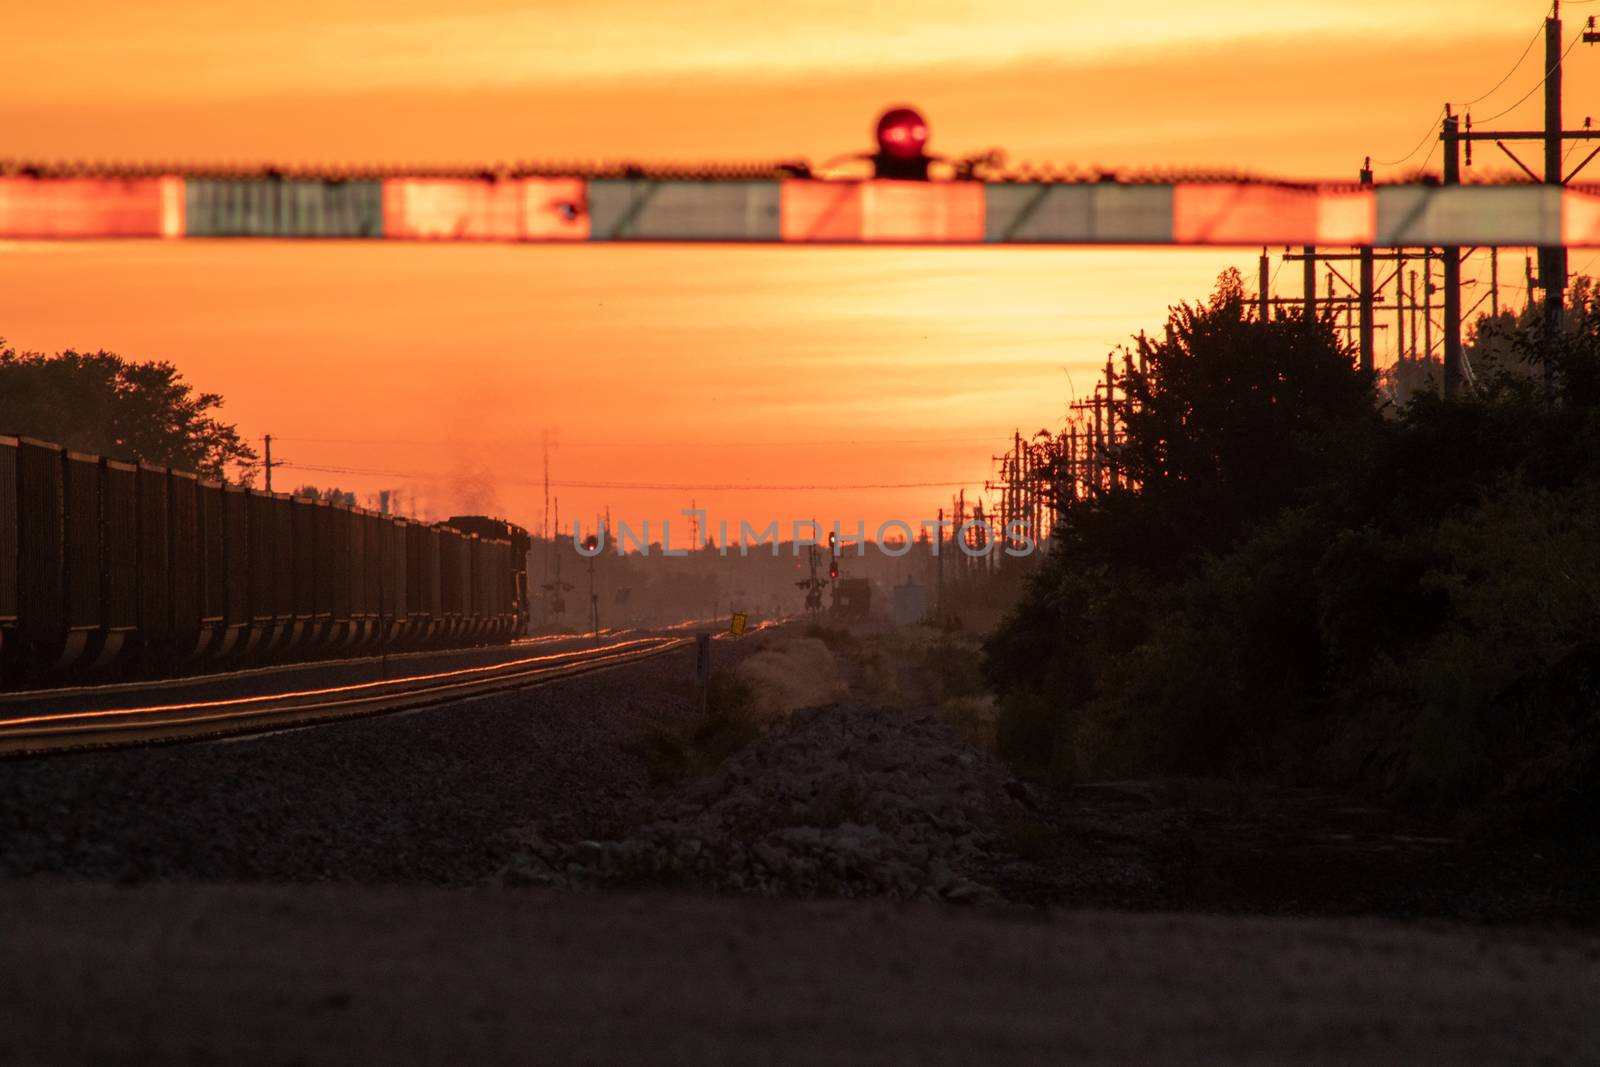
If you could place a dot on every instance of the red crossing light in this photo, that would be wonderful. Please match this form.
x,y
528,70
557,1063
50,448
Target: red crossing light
x,y
902,133
902,145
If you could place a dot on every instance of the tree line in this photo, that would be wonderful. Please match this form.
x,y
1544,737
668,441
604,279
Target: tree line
x,y
1306,585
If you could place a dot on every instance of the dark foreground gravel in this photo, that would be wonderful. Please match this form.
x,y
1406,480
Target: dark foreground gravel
x,y
166,974
433,796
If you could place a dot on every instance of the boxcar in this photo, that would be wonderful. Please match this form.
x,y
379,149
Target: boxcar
x,y
393,584
85,615
430,577
155,599
287,557
8,551
262,565
322,568
119,504
112,565
515,582
184,563
211,510
377,609
41,545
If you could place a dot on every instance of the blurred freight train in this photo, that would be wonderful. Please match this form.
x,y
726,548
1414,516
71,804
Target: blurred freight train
x,y
111,569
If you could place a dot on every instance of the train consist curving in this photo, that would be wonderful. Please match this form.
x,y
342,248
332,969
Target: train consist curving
x,y
112,569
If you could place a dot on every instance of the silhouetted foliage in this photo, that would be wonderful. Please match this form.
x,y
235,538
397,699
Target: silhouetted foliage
x,y
1302,588
101,403
1233,419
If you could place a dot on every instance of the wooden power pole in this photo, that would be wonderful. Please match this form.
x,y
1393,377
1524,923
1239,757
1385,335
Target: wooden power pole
x,y
1452,267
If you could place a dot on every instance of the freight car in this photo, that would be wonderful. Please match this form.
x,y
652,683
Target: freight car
x,y
113,569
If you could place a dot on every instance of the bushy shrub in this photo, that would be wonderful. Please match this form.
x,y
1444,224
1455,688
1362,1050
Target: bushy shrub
x,y
1298,588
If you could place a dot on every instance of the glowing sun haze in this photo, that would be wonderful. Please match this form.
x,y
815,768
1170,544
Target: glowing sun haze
x,y
674,365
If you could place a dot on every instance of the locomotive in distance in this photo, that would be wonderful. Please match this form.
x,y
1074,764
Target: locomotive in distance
x,y
113,570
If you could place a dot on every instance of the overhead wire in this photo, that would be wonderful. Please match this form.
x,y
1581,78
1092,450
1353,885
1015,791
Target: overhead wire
x,y
1514,68
1537,85
1484,96
731,442
1397,162
646,486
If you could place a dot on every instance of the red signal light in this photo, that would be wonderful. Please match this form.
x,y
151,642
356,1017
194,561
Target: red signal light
x,y
902,146
902,134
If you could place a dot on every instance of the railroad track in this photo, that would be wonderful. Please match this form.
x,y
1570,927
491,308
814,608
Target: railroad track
x,y
156,720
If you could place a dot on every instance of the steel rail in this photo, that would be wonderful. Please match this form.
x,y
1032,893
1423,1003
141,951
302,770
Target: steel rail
x,y
114,727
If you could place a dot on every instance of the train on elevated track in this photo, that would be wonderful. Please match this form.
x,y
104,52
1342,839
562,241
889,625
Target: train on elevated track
x,y
114,570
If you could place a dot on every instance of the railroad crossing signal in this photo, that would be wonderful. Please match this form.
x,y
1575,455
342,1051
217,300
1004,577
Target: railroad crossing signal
x,y
812,584
902,146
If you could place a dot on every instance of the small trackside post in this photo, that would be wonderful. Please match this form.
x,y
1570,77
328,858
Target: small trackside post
x,y
702,668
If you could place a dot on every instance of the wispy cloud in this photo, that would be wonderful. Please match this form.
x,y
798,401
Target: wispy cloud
x,y
181,44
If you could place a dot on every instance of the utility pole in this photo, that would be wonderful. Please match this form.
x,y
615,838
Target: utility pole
x,y
1359,324
1552,258
1097,455
1368,357
1452,266
267,462
1413,311
1111,426
1310,282
1427,310
1400,305
545,532
1494,282
1265,296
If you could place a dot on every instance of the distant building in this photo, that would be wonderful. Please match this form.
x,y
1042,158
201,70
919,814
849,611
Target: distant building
x,y
910,603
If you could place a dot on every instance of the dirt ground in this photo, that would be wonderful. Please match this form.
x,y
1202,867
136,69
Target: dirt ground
x,y
216,973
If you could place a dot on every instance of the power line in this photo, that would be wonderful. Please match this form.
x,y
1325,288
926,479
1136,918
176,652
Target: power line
x,y
651,486
1426,134
1537,85
732,442
1514,67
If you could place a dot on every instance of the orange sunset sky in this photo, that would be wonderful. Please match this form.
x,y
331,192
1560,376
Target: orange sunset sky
x,y
435,368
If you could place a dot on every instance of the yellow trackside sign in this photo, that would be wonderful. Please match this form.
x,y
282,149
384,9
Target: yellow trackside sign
x,y
739,620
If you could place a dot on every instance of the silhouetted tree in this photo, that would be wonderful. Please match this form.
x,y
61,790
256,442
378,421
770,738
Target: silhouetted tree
x,y
1233,418
102,403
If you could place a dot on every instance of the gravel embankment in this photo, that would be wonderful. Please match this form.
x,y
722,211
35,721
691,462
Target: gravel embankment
x,y
843,800
435,796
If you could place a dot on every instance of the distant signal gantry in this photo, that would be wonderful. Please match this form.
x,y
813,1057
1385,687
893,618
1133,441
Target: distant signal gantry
x,y
785,203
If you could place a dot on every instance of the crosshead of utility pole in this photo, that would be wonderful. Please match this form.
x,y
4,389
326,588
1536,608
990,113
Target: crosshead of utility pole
x,y
1552,258
1310,282
1265,295
1452,265
1368,326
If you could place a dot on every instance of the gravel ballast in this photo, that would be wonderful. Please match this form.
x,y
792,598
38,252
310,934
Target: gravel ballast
x,y
842,800
435,796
